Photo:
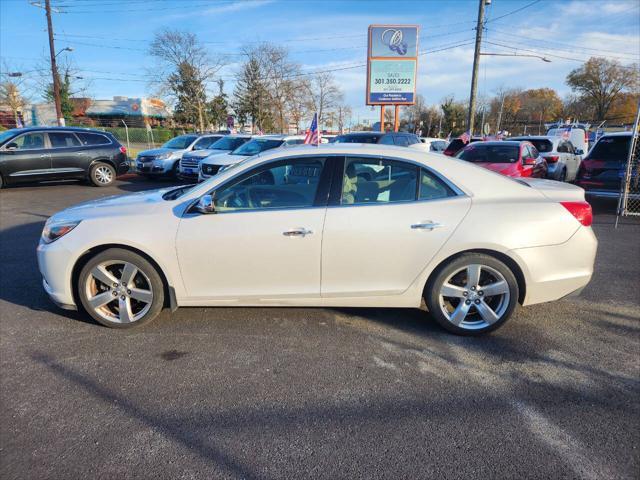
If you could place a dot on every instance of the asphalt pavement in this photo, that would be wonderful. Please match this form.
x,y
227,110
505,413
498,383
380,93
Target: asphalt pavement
x,y
310,392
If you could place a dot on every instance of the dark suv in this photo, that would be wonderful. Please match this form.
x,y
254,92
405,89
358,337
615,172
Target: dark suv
x,y
401,139
36,154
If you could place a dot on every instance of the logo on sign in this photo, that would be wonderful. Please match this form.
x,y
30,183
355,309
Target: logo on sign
x,y
392,38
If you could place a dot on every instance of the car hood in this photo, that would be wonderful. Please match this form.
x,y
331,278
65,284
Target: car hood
x,y
205,153
224,159
121,205
157,151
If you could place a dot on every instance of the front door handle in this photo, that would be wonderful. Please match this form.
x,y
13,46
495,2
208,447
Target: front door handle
x,y
429,225
297,232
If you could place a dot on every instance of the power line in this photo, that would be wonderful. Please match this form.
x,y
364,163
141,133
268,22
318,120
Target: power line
x,y
514,11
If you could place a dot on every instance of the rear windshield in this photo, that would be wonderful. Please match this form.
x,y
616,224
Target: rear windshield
x,y
256,146
357,138
611,148
229,143
542,145
482,153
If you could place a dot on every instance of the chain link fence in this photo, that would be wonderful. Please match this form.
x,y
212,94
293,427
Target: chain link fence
x,y
629,203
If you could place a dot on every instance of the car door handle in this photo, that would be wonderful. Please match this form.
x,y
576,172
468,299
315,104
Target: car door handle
x,y
297,232
426,226
44,155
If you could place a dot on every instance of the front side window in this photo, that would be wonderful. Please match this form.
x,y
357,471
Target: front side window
x,y
30,141
378,181
206,142
229,143
401,140
180,143
285,184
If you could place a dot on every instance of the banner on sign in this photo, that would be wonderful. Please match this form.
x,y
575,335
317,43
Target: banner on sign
x,y
392,64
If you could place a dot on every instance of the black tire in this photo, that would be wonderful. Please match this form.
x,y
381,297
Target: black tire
x,y
563,175
146,279
456,273
175,170
1,182
102,174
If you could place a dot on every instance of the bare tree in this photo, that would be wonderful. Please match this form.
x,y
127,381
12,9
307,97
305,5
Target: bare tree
x,y
183,71
325,94
11,96
343,112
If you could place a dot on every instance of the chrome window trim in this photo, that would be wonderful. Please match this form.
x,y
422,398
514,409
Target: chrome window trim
x,y
459,193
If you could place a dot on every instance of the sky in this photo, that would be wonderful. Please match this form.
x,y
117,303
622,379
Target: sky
x,y
110,39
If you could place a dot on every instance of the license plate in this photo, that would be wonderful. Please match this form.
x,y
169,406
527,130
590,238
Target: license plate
x,y
139,165
188,170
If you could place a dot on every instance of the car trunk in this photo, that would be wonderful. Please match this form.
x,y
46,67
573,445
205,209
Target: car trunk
x,y
556,191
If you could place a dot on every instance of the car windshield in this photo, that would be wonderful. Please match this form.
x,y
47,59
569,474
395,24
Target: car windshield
x,y
543,145
482,153
229,143
178,143
206,142
611,148
357,138
256,146
4,136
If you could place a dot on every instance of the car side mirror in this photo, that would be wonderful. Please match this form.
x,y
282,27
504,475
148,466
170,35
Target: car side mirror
x,y
11,146
205,205
579,151
529,161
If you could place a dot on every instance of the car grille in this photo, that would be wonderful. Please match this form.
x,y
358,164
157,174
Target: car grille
x,y
146,159
189,162
210,169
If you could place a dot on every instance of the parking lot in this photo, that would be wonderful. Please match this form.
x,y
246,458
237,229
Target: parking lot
x,y
310,392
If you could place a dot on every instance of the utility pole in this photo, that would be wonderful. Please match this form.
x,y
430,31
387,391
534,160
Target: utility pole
x,y
54,67
476,65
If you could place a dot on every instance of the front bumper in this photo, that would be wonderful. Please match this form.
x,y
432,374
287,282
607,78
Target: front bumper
x,y
55,263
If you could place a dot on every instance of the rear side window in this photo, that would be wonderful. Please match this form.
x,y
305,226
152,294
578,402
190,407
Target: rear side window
x,y
611,148
386,140
92,139
401,140
368,180
455,145
63,140
431,187
358,138
482,153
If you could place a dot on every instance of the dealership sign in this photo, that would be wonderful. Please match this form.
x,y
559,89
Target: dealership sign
x,y
392,63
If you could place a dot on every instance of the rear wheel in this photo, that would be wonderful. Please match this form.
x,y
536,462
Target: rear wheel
x,y
120,289
102,174
472,294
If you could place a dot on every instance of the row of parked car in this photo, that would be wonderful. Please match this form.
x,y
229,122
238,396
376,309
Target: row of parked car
x,y
56,153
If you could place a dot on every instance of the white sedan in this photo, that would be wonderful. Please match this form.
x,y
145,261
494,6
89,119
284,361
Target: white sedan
x,y
339,225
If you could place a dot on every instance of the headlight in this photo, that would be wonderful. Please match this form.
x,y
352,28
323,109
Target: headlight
x,y
54,230
164,156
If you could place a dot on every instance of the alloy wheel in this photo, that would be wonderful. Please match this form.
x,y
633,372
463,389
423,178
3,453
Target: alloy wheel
x,y
103,175
474,297
119,292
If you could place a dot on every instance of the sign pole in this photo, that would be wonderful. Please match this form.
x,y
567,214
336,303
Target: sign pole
x,y
382,118
396,119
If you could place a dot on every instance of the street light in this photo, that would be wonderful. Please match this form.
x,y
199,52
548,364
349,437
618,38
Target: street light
x,y
490,54
65,49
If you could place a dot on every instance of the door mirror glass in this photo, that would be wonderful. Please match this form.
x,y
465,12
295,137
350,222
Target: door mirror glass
x,y
205,205
579,151
12,146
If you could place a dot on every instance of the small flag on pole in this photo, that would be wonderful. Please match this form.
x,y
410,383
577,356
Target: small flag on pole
x,y
313,136
465,137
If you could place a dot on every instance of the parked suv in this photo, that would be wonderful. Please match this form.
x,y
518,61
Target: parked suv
x,y
164,161
563,159
400,139
602,170
60,153
190,162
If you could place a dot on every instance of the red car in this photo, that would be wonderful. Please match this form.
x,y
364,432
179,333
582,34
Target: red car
x,y
510,158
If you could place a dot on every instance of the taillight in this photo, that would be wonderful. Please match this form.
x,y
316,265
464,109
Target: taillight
x,y
581,210
123,149
552,158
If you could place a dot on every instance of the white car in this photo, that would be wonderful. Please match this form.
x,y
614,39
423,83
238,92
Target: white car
x,y
563,159
302,227
217,162
190,161
434,144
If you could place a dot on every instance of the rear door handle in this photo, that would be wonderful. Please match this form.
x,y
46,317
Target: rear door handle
x,y
297,232
426,225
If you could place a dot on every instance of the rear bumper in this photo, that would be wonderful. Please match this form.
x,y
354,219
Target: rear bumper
x,y
602,193
557,271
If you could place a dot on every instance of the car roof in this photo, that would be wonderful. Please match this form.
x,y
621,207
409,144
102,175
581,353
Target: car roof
x,y
535,137
514,143
56,128
617,134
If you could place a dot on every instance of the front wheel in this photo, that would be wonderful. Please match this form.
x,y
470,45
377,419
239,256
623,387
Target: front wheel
x,y
472,294
120,289
102,174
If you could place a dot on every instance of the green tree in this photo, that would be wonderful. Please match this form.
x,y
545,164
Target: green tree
x,y
454,114
66,105
251,97
218,107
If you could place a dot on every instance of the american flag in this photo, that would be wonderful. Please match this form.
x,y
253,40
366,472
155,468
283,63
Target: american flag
x,y
566,133
313,136
465,137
